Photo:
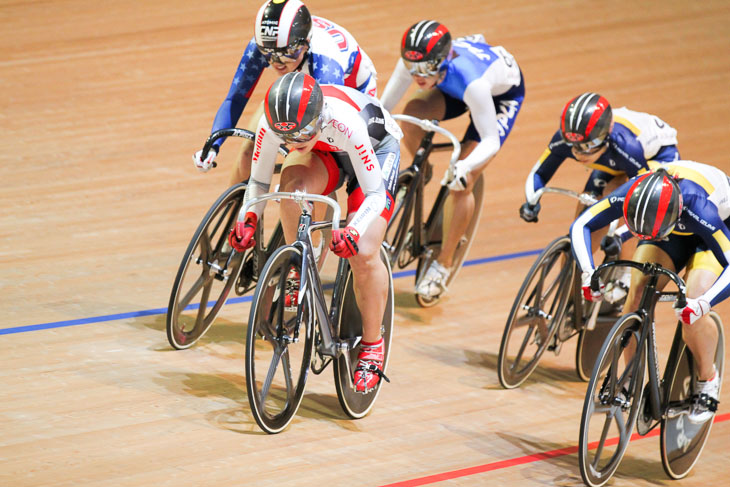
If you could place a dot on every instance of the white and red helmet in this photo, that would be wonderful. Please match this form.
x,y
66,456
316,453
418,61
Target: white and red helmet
x,y
282,24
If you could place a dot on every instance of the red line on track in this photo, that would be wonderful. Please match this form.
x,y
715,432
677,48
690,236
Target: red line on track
x,y
537,457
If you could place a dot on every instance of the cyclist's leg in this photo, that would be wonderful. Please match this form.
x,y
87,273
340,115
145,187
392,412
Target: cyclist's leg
x,y
242,168
701,336
311,172
428,104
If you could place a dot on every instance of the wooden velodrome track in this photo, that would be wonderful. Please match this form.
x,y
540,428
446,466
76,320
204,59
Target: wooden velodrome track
x,y
101,106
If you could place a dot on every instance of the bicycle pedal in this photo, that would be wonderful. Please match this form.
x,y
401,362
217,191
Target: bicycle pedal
x,y
556,346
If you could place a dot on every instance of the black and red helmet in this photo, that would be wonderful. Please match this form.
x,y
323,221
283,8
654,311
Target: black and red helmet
x,y
586,122
425,46
293,107
653,205
283,28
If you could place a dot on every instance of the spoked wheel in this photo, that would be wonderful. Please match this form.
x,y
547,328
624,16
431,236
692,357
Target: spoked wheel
x,y
398,232
462,248
611,403
538,310
681,440
278,348
356,404
206,274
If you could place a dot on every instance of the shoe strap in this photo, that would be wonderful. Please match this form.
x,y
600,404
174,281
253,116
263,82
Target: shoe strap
x,y
705,401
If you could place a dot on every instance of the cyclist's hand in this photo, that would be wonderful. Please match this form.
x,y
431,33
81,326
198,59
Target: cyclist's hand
x,y
459,181
611,245
588,293
695,309
241,237
344,242
204,165
529,212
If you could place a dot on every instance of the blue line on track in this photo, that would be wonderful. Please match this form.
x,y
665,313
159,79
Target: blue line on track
x,y
242,299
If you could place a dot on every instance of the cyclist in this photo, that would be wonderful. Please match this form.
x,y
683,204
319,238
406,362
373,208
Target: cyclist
x,y
615,144
454,77
681,214
335,133
287,38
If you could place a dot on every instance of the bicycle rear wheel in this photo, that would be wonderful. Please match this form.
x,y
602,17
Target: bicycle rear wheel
x,y
278,347
462,248
538,310
611,403
681,440
355,404
400,226
206,274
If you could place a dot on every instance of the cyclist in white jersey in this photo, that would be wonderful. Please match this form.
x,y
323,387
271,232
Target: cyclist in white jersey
x,y
336,134
466,75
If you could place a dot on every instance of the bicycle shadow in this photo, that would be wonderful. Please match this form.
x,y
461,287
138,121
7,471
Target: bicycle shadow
x,y
565,458
238,419
221,331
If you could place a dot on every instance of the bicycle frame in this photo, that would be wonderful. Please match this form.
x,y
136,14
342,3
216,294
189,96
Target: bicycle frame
x,y
328,325
647,338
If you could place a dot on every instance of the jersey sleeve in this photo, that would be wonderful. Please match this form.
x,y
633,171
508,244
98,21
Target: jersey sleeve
x,y
369,176
247,76
266,147
545,168
478,97
397,86
597,216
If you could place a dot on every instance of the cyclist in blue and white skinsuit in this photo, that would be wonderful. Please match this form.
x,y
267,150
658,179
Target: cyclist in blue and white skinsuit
x,y
681,214
287,38
457,76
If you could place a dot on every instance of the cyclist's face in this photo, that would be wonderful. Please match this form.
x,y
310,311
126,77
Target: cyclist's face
x,y
302,147
585,158
427,82
284,65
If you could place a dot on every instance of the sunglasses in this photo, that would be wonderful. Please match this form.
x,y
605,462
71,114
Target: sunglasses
x,y
589,148
422,69
304,135
282,55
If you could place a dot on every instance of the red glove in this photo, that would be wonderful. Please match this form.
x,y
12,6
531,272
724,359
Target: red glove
x,y
241,237
588,293
344,242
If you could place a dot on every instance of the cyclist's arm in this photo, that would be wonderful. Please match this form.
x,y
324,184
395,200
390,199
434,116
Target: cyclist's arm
x,y
478,97
716,235
247,75
543,171
266,147
326,70
597,216
369,176
397,86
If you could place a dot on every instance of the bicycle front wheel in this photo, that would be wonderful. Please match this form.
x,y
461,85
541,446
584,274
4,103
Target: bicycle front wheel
x,y
278,346
612,402
538,310
206,274
356,404
681,440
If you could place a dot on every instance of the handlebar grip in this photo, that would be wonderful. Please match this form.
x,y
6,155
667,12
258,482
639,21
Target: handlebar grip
x,y
681,301
595,284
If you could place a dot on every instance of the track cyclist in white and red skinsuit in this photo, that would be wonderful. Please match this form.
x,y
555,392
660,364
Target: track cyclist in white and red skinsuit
x,y
681,214
335,134
287,38
455,77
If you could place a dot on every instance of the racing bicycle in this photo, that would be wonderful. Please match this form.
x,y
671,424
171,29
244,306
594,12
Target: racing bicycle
x,y
285,340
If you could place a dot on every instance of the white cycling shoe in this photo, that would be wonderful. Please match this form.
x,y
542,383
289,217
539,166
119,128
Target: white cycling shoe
x,y
704,399
433,283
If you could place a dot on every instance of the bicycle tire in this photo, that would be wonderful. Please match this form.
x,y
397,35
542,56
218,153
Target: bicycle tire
x,y
462,248
206,250
554,265
356,404
399,226
609,381
682,441
275,393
